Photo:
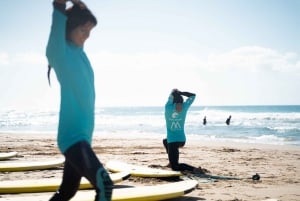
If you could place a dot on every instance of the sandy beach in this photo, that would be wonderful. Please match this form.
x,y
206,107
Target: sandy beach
x,y
278,166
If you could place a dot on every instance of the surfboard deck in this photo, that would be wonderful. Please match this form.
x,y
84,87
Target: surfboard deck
x,y
139,170
149,193
8,155
30,165
49,185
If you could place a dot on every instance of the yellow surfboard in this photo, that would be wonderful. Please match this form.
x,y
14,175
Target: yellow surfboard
x,y
48,185
8,155
30,165
147,193
140,171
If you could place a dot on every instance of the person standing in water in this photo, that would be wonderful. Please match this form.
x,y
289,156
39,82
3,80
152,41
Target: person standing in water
x,y
204,121
228,120
175,114
70,29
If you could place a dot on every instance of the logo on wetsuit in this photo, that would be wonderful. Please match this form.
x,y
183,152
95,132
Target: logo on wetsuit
x,y
175,125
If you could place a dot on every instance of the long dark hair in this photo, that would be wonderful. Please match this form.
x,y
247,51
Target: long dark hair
x,y
77,15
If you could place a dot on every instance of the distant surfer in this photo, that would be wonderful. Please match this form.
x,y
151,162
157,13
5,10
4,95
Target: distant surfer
x,y
204,121
70,29
175,113
228,120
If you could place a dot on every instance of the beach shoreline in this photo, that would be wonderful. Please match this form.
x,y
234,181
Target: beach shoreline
x,y
278,165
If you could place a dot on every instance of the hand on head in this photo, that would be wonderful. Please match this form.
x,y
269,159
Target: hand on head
x,y
61,1
175,90
80,3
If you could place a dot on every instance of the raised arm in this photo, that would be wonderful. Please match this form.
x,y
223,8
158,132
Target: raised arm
x,y
57,40
60,5
190,99
187,94
182,93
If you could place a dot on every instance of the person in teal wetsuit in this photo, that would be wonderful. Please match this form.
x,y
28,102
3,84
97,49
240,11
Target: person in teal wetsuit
x,y
175,114
70,29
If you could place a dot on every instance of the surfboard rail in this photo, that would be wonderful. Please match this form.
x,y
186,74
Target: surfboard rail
x,y
30,165
7,155
136,193
49,184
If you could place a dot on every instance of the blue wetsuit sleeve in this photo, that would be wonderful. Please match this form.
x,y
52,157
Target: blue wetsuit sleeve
x,y
57,40
60,6
187,94
170,100
189,101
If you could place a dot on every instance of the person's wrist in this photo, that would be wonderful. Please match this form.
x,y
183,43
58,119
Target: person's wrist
x,y
75,1
60,1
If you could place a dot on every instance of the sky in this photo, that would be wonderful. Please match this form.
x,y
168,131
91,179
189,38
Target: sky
x,y
233,52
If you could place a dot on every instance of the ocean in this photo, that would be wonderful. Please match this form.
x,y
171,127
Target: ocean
x,y
277,125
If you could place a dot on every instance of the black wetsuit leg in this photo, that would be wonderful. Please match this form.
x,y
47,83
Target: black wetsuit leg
x,y
70,183
82,161
165,142
173,154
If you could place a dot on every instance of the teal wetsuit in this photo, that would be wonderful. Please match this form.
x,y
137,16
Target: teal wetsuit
x,y
175,130
76,117
175,120
76,78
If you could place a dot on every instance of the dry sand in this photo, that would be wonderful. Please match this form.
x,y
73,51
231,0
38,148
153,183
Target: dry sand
x,y
278,166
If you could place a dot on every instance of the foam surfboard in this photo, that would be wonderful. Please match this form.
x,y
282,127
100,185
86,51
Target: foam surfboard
x,y
139,170
8,155
149,193
30,165
48,185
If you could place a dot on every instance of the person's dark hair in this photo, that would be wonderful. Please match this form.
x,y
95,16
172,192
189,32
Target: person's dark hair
x,y
77,15
177,98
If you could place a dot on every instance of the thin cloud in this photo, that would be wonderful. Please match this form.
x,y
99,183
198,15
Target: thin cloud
x,y
246,59
4,59
163,61
23,59
31,58
254,59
